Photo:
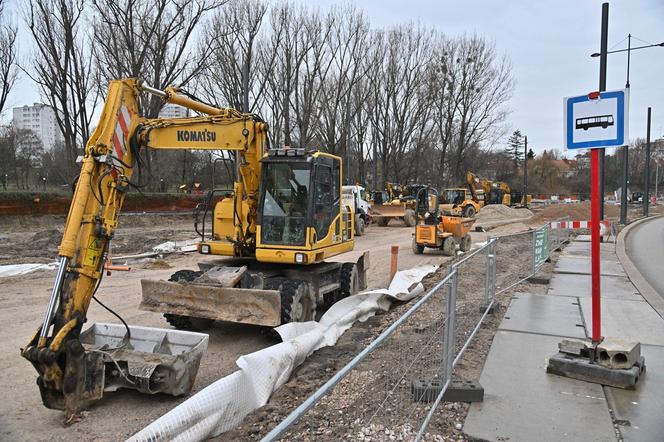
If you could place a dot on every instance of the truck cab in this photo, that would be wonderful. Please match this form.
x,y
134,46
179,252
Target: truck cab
x,y
356,198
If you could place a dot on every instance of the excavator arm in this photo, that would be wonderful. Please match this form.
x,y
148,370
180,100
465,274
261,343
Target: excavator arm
x,y
68,377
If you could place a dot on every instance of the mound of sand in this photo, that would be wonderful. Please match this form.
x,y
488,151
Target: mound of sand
x,y
576,211
500,212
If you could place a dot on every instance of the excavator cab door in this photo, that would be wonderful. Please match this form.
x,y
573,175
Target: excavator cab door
x,y
326,200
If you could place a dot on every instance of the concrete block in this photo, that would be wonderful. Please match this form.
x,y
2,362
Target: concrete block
x,y
424,390
618,353
539,280
464,391
574,347
562,364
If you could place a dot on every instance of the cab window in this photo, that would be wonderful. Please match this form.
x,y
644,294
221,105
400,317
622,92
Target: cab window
x,y
326,198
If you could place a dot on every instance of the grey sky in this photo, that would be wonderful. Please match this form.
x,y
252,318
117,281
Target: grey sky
x,y
549,44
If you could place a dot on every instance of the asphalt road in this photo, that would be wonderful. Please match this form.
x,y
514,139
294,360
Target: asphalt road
x,y
645,247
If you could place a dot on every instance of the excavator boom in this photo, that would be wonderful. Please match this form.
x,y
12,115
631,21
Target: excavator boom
x,y
111,156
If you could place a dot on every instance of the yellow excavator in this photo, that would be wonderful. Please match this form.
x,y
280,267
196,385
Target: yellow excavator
x,y
278,223
495,192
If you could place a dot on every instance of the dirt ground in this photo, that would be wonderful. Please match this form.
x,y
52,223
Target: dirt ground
x,y
120,414
36,239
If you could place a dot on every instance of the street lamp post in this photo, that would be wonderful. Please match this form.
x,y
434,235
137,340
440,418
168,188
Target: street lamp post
x,y
646,190
525,172
656,155
623,198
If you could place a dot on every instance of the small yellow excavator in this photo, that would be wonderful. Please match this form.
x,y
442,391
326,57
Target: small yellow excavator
x,y
278,223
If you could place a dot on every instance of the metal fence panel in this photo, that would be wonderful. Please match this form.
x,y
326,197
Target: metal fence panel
x,y
390,386
514,255
393,387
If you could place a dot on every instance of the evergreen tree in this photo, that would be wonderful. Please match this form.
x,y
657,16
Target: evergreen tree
x,y
514,149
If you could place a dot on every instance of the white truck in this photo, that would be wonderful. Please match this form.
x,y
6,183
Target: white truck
x,y
355,197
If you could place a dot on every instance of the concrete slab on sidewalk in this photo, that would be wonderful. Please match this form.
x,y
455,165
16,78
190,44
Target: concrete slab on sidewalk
x,y
583,238
613,287
543,314
578,247
641,409
581,265
604,256
524,403
636,321
582,249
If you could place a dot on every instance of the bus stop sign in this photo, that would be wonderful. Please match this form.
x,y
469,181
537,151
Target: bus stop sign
x,y
596,120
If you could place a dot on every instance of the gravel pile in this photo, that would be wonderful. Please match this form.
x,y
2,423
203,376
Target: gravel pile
x,y
500,212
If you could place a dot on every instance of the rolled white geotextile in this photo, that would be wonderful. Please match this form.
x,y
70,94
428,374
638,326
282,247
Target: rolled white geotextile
x,y
222,405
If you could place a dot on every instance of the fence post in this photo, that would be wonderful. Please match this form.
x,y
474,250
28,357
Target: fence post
x,y
492,268
450,326
490,280
533,252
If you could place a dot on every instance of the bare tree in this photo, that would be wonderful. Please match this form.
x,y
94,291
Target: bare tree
x,y
338,103
399,104
8,54
63,68
482,86
282,74
234,72
150,39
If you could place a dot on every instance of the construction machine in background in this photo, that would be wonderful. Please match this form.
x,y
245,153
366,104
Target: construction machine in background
x,y
355,197
277,224
459,202
436,230
495,192
395,202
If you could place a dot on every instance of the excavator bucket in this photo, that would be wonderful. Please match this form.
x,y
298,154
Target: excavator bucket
x,y
153,360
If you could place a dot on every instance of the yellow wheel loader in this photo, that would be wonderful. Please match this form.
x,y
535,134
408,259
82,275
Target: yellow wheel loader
x,y
459,202
396,202
277,225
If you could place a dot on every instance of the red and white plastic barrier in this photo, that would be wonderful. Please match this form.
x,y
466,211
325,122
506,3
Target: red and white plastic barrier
x,y
604,226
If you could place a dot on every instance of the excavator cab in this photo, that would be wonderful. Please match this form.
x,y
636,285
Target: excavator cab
x,y
300,212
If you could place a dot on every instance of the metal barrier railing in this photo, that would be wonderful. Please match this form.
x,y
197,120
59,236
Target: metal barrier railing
x,y
402,389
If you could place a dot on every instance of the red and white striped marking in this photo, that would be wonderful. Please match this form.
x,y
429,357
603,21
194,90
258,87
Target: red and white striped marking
x,y
576,224
121,134
604,226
